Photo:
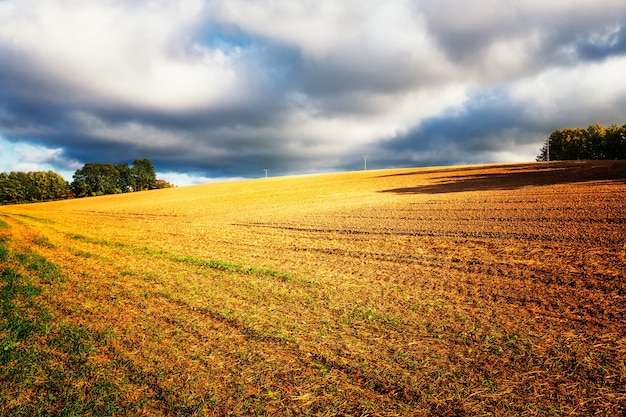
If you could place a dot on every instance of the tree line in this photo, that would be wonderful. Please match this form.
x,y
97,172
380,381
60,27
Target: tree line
x,y
91,180
99,179
30,187
595,142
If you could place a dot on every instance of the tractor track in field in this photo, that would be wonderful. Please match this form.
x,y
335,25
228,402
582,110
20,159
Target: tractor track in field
x,y
548,236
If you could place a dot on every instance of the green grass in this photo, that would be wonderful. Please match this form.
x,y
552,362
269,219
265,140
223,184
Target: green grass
x,y
43,269
45,365
234,267
4,253
43,241
52,366
16,324
86,239
37,219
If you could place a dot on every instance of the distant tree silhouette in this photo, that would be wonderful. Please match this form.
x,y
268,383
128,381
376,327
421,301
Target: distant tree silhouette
x,y
29,187
97,179
91,180
595,142
143,174
125,180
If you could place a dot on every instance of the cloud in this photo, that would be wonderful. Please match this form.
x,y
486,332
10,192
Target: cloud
x,y
507,123
601,45
181,180
122,53
29,158
466,30
575,96
225,89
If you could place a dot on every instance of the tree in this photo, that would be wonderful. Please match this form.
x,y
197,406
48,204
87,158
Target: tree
x,y
11,190
593,145
58,187
615,142
144,175
164,184
95,179
595,142
564,144
98,179
126,179
27,187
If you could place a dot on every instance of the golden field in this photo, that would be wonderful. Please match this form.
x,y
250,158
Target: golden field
x,y
458,291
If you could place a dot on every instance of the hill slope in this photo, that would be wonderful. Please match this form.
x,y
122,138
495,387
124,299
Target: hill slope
x,y
435,291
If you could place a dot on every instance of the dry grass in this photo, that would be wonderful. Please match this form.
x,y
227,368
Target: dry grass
x,y
494,290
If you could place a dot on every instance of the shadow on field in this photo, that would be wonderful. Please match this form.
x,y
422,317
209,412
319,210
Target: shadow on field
x,y
511,177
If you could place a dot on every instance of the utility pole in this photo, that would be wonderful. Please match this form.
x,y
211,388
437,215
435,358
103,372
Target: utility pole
x,y
364,162
548,149
266,170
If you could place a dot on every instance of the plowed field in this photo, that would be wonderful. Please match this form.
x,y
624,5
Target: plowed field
x,y
463,291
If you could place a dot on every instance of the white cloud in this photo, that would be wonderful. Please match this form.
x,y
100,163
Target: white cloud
x,y
362,35
575,96
36,154
391,115
109,50
24,157
182,179
129,132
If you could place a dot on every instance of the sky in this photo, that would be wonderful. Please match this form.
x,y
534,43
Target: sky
x,y
213,90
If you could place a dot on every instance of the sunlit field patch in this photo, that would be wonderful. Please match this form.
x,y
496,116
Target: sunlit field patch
x,y
491,290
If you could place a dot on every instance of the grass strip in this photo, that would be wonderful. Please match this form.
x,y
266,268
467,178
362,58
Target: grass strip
x,y
37,219
212,264
234,267
86,239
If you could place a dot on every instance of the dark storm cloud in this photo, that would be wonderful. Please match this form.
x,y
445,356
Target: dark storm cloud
x,y
599,47
485,127
465,30
493,125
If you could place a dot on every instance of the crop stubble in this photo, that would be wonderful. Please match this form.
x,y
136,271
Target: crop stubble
x,y
463,291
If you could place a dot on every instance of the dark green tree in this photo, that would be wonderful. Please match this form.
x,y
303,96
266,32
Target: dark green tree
x,y
563,144
11,189
126,179
144,175
28,191
595,142
28,187
98,179
58,186
614,142
95,179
